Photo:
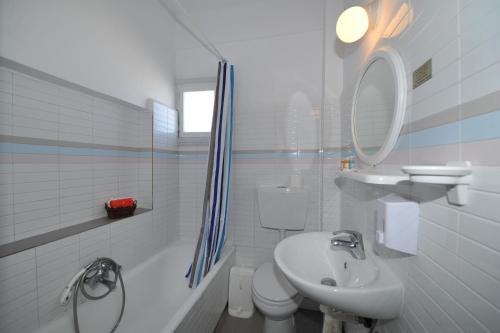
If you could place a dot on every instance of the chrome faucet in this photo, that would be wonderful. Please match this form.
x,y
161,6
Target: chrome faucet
x,y
350,241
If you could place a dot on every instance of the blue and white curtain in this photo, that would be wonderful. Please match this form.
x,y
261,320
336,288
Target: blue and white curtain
x,y
215,204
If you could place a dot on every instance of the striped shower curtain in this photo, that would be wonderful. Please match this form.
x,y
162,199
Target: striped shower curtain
x,y
215,203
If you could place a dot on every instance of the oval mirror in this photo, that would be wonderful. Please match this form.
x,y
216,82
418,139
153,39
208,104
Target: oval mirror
x,y
378,107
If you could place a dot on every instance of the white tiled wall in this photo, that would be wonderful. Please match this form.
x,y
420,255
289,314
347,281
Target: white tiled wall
x,y
19,294
50,186
452,283
31,281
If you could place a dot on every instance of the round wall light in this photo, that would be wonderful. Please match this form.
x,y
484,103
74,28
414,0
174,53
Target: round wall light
x,y
352,24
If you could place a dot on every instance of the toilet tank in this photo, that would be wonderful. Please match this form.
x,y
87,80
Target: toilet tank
x,y
282,208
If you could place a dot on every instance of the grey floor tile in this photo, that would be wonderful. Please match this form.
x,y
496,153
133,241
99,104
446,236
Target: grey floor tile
x,y
307,321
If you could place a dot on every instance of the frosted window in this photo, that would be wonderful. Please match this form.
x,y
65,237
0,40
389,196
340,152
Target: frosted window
x,y
197,108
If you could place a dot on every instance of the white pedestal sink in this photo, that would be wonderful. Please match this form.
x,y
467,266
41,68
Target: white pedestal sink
x,y
365,287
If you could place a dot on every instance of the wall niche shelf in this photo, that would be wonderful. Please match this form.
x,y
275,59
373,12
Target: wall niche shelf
x,y
52,236
456,175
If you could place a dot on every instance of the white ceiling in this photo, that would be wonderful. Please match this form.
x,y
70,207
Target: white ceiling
x,y
204,5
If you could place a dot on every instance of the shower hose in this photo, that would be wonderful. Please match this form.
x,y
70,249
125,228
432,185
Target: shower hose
x,y
90,272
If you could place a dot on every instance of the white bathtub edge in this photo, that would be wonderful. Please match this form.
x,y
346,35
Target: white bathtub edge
x,y
173,324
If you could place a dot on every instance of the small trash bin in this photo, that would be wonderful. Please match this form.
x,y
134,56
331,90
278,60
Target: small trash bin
x,y
240,292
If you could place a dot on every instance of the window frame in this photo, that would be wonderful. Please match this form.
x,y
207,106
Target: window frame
x,y
191,86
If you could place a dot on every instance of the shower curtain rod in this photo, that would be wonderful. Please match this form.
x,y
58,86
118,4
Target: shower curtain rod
x,y
184,19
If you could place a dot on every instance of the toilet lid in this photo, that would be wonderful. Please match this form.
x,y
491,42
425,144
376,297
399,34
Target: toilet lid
x,y
271,284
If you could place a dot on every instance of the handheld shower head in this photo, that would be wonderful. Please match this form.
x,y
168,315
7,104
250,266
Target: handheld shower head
x,y
68,290
95,273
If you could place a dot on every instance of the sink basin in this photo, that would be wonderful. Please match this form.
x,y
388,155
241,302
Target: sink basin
x,y
334,278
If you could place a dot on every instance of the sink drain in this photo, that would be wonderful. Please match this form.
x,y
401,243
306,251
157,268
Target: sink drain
x,y
328,282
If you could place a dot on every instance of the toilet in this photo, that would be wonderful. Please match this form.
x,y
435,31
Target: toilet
x,y
280,208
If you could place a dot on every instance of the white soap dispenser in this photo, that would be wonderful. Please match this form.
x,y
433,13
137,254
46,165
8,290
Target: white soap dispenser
x,y
397,223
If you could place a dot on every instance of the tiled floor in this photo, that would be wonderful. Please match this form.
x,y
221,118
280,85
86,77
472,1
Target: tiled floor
x,y
307,321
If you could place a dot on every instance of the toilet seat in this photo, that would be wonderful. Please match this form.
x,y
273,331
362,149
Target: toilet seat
x,y
273,295
284,303
270,285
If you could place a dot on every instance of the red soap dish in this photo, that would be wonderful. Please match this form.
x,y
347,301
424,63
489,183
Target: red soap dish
x,y
120,212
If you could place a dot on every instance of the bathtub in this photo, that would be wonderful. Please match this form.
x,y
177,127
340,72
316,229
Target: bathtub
x,y
158,299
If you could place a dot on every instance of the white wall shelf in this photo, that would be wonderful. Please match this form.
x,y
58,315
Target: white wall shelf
x,y
374,177
437,174
456,175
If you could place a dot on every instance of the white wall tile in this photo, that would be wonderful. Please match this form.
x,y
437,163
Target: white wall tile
x,y
480,230
57,262
487,314
485,285
441,215
439,235
419,289
453,279
480,256
18,292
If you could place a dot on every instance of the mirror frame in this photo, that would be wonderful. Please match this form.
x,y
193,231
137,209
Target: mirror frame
x,y
396,64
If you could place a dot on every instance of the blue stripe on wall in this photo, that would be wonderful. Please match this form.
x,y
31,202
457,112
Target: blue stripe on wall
x,y
485,127
482,127
263,155
330,154
165,155
19,148
278,155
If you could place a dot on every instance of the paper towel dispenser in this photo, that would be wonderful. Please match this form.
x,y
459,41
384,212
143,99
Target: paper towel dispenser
x,y
397,223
